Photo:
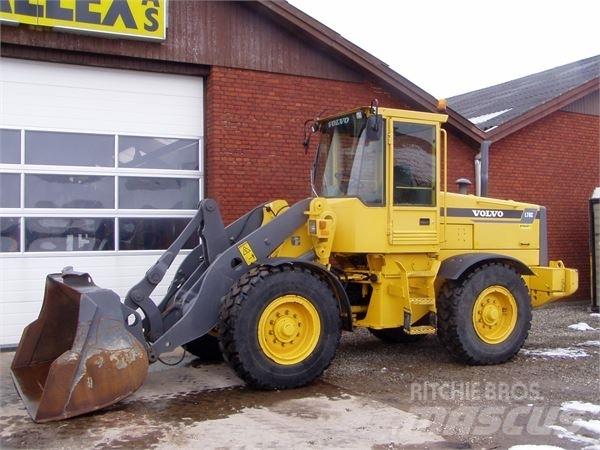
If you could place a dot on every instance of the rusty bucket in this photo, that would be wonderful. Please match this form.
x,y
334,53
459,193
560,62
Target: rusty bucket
x,y
78,356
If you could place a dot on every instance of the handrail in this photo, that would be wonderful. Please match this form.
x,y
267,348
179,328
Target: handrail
x,y
445,144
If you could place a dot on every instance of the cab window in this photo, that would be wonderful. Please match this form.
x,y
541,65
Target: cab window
x,y
414,164
351,160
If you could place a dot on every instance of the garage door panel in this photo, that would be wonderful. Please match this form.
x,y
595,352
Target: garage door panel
x,y
65,96
100,114
55,97
95,78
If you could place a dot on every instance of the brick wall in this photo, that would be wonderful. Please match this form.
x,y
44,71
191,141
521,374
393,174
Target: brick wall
x,y
254,133
553,162
460,162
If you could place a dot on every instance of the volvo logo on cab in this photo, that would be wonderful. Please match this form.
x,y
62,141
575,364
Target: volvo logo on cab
x,y
487,213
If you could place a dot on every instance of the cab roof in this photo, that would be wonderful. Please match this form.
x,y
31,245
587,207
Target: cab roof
x,y
393,113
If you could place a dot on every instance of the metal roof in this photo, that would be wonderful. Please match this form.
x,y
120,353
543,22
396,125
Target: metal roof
x,y
494,106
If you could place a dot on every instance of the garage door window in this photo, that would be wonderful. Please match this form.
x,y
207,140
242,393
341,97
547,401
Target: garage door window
x,y
69,191
66,192
158,153
10,190
69,149
10,146
158,193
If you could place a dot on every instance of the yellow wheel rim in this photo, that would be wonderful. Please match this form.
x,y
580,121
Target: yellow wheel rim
x,y
494,314
289,329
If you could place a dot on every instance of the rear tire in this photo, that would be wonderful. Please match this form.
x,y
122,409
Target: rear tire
x,y
396,335
485,317
205,348
279,327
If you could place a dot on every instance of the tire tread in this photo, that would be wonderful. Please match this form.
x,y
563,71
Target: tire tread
x,y
230,315
449,299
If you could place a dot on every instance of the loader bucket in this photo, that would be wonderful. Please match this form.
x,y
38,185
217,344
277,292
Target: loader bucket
x,y
78,355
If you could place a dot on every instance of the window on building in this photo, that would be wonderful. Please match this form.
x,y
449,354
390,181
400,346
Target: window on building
x,y
69,192
10,190
414,164
10,146
69,149
10,232
53,234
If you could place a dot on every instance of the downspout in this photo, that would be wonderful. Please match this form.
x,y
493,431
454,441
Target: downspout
x,y
478,174
482,169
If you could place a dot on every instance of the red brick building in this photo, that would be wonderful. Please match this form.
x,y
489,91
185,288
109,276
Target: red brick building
x,y
544,131
108,142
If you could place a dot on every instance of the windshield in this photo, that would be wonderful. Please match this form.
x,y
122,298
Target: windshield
x,y
350,159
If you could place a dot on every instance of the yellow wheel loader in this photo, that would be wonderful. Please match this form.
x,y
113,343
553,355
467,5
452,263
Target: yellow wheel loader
x,y
381,245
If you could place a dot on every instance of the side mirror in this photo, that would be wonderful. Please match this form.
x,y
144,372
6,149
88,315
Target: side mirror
x,y
374,128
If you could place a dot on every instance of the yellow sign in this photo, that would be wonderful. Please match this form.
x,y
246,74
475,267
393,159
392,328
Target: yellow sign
x,y
133,19
247,253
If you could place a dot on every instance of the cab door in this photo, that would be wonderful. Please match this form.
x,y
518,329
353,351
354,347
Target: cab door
x,y
413,163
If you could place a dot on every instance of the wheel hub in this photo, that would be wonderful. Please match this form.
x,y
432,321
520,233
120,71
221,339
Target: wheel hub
x,y
494,314
490,315
285,329
289,329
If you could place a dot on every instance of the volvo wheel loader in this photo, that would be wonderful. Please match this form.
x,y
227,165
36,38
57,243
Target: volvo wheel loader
x,y
381,245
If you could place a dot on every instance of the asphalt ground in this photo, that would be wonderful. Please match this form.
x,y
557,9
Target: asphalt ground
x,y
374,395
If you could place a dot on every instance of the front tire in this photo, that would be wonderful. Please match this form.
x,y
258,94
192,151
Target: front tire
x,y
485,317
279,327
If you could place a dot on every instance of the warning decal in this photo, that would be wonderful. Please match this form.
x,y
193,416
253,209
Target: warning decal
x,y
247,253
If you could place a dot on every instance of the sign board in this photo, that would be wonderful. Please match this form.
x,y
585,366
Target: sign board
x,y
130,19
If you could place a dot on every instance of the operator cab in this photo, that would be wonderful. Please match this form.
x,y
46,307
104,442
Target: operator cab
x,y
351,159
388,159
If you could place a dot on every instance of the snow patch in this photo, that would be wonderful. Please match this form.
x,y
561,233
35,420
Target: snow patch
x,y
581,326
556,352
486,117
590,344
596,315
593,426
563,433
582,407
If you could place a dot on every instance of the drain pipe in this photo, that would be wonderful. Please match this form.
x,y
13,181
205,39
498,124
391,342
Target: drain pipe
x,y
482,169
478,174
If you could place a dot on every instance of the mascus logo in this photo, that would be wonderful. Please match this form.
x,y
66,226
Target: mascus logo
x,y
487,213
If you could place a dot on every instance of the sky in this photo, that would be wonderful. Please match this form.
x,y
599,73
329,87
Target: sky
x,y
455,46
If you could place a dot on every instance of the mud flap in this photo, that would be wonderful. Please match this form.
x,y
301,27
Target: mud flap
x,y
78,356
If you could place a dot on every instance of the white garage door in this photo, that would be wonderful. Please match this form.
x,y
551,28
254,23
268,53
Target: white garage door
x,y
100,169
